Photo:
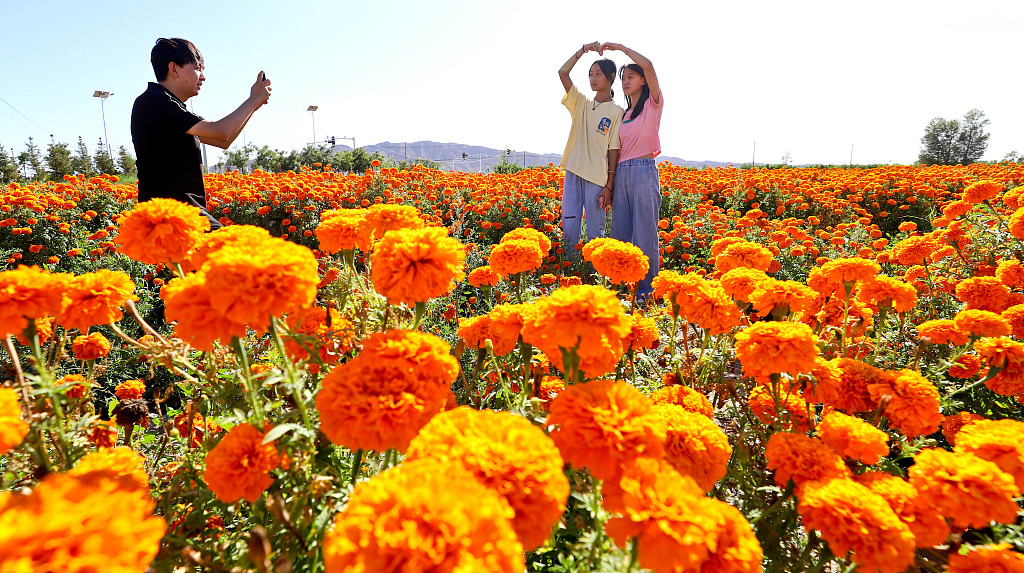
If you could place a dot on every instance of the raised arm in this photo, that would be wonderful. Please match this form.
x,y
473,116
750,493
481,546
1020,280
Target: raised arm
x,y
563,72
223,132
649,74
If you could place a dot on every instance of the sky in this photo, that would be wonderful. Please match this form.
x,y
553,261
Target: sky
x,y
742,79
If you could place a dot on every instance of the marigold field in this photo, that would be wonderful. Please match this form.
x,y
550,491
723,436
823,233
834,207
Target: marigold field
x,y
408,371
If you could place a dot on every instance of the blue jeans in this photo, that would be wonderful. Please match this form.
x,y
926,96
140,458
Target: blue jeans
x,y
579,195
636,209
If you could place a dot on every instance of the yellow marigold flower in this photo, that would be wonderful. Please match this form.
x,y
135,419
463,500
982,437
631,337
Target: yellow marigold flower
x,y
983,293
1010,272
28,293
793,415
321,330
942,331
767,348
515,256
160,231
964,487
684,396
740,282
622,263
379,219
694,445
188,303
506,325
1000,558
239,466
130,389
509,455
423,516
914,405
339,229
416,265
12,428
213,242
853,438
952,424
1008,355
996,441
744,254
90,346
643,332
850,517
93,522
121,462
1014,316
887,292
980,323
530,234
802,459
914,250
585,319
95,298
380,399
928,527
981,191
483,276
781,297
604,426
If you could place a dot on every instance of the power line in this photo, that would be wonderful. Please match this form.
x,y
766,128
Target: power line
x,y
23,115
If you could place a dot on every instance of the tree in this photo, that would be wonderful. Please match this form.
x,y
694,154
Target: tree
x,y
82,161
104,162
1013,157
268,159
33,160
125,162
8,167
951,141
58,160
238,158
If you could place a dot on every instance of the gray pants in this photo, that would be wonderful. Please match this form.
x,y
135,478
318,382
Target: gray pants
x,y
579,195
636,209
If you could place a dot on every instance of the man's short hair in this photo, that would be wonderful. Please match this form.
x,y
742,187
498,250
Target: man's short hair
x,y
167,50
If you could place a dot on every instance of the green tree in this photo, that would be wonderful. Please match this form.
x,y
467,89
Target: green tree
x,y
58,160
268,159
8,167
238,157
82,161
952,141
32,158
125,162
104,162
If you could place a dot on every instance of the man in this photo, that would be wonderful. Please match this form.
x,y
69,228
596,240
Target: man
x,y
167,135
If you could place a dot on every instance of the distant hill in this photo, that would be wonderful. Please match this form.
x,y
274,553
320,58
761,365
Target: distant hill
x,y
476,158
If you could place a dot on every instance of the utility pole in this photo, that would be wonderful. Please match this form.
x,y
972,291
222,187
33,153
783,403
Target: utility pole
x,y
103,98
753,154
851,155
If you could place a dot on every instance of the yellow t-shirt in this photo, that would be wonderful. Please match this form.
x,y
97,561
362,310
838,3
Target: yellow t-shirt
x,y
594,131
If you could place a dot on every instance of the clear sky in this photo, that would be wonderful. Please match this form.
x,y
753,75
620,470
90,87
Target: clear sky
x,y
810,78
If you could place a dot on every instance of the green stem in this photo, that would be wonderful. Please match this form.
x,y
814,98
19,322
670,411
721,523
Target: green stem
x,y
357,463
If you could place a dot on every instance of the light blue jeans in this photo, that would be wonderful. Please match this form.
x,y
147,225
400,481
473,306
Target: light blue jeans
x,y
636,209
579,195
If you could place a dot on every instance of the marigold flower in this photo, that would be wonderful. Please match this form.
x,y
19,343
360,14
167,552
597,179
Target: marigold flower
x,y
643,333
103,434
853,438
980,323
322,330
515,256
339,230
160,231
380,399
1017,223
983,293
769,348
530,234
475,330
379,219
942,331
684,396
981,191
12,428
193,427
238,466
858,316
1000,558
622,263
95,298
75,385
694,445
697,301
793,414
847,271
1011,273
188,303
744,254
996,441
970,490
887,292
781,297
28,293
213,242
850,517
914,405
604,426
966,366
91,346
802,459
426,516
509,455
928,527
416,265
1008,355
506,325
1014,316
120,462
914,250
740,282
483,276
953,423
44,330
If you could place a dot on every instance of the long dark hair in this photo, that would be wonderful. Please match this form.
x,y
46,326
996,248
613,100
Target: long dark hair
x,y
644,93
607,68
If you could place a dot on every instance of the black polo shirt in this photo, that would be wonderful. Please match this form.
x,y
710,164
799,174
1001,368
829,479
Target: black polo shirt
x,y
169,160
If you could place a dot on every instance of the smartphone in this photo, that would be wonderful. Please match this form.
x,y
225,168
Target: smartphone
x,y
263,77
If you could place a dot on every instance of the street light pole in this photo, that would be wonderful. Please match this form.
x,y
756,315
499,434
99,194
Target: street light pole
x,y
103,98
312,109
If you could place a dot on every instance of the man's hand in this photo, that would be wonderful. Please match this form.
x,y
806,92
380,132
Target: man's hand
x,y
604,200
260,91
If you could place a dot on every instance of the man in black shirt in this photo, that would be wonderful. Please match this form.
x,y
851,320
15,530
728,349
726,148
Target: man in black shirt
x,y
167,135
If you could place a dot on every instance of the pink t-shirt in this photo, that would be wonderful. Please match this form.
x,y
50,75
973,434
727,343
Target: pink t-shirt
x,y
640,136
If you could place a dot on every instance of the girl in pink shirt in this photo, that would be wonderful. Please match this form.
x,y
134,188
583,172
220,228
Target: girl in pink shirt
x,y
636,196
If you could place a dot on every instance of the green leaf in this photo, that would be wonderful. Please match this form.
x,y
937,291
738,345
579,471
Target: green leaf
x,y
281,430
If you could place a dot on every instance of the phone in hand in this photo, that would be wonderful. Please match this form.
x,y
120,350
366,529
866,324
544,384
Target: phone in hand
x,y
263,77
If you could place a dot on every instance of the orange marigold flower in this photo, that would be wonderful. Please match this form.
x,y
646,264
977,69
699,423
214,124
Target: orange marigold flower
x,y
953,423
744,254
160,231
213,242
622,263
529,234
853,438
120,461
1008,355
358,410
928,527
802,459
980,323
103,434
379,219
339,229
684,396
966,366
887,292
239,466
1017,223
75,385
942,331
996,441
604,426
983,293
92,522
779,298
95,298
28,293
847,271
193,427
1011,273
793,414
643,333
509,455
130,390
475,331
1000,558
767,348
91,346
858,316
964,487
914,402
506,325
416,265
587,320
850,517
694,445
483,276
740,282
321,330
12,428
188,303
516,256
424,516
981,191
697,301
725,242
44,330
915,250
1014,316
